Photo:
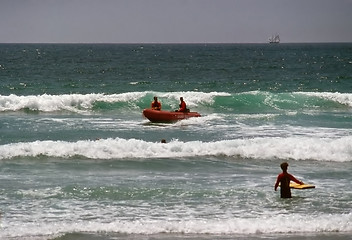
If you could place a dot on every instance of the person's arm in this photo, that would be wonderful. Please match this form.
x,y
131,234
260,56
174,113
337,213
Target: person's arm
x,y
277,181
159,108
294,179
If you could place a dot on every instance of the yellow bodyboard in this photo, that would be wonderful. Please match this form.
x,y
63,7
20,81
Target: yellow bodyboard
x,y
299,186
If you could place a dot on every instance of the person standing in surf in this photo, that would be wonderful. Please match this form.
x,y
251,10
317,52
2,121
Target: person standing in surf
x,y
284,179
156,105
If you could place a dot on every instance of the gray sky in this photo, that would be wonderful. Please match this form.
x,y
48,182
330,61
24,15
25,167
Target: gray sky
x,y
174,21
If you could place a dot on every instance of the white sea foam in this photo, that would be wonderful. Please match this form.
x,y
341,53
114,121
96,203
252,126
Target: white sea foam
x,y
292,223
296,148
84,102
48,103
81,102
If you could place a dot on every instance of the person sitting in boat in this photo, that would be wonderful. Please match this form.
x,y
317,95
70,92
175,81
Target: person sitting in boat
x,y
183,107
156,105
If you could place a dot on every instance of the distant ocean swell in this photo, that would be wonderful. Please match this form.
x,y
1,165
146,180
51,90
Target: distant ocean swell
x,y
296,148
253,101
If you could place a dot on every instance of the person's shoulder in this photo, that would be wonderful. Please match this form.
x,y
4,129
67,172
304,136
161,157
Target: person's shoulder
x,y
283,174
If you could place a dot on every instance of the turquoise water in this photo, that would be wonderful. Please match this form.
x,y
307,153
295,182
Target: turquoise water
x,y
79,161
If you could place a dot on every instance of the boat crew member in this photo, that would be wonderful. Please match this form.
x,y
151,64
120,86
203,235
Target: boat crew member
x,y
182,105
284,179
156,105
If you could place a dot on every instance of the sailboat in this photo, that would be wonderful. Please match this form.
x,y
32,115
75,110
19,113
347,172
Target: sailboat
x,y
274,39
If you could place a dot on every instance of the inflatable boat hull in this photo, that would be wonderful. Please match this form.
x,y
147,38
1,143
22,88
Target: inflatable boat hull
x,y
167,116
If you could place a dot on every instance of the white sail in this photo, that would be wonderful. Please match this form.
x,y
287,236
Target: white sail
x,y
274,39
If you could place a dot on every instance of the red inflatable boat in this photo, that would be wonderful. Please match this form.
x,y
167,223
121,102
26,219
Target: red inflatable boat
x,y
167,116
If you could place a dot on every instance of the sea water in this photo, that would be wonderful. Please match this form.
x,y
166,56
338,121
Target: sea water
x,y
79,161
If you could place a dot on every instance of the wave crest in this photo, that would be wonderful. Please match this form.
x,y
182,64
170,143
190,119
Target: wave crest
x,y
255,101
86,102
296,148
333,223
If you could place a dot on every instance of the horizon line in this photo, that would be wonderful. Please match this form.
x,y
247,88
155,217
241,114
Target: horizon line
x,y
174,43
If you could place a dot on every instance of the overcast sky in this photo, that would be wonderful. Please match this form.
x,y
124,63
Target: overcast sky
x,y
174,21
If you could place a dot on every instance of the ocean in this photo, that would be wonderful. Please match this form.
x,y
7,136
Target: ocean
x,y
79,161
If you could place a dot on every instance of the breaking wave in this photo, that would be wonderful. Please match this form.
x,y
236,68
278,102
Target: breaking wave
x,y
296,148
246,102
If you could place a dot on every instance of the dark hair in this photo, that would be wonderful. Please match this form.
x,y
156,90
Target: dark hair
x,y
284,166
